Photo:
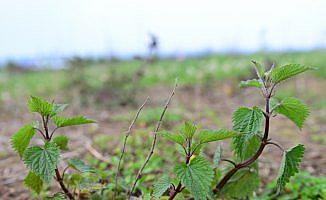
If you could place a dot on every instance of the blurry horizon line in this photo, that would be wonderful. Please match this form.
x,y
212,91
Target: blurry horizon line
x,y
57,60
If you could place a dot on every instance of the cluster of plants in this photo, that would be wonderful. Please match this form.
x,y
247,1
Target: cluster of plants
x,y
194,174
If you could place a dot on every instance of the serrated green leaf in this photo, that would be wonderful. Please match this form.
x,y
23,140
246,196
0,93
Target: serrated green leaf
x,y
260,70
189,130
250,83
177,138
287,71
33,182
80,166
196,176
242,184
245,145
290,165
36,104
42,160
206,136
161,186
21,139
61,141
57,108
63,121
247,121
293,109
217,156
56,196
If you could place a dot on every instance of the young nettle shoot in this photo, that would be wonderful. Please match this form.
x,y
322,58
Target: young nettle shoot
x,y
250,136
42,160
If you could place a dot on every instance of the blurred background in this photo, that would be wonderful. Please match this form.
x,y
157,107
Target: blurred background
x,y
105,57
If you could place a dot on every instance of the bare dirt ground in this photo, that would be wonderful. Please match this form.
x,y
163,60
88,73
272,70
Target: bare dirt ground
x,y
196,102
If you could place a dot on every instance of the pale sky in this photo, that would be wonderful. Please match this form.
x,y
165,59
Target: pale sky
x,y
58,27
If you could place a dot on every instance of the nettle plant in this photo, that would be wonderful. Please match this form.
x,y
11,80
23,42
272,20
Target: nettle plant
x,y
195,177
250,136
42,160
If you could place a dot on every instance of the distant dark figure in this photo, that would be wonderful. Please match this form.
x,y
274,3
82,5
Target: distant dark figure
x,y
152,47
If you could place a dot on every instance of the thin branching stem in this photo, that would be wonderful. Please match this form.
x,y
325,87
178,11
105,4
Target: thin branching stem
x,y
41,132
277,145
128,132
264,142
151,151
58,177
229,161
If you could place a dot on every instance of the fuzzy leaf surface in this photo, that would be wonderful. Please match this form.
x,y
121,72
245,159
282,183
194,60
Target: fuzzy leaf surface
x,y
287,71
56,196
79,165
260,70
33,182
57,108
72,121
250,83
189,129
245,145
293,109
36,104
290,165
21,139
177,138
247,121
196,176
217,156
206,136
162,184
42,160
61,141
242,184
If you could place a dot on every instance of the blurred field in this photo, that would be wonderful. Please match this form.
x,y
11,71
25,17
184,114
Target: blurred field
x,y
110,91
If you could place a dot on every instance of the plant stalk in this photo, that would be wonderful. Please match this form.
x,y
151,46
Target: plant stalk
x,y
251,160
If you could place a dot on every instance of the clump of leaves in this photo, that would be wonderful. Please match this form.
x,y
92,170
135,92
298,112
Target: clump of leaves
x,y
250,136
42,160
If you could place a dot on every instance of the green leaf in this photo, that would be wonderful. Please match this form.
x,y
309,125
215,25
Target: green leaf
x,y
287,71
250,83
217,156
245,145
56,196
247,121
57,108
161,186
196,176
290,165
242,184
260,70
42,161
206,136
189,130
36,104
293,109
61,141
63,121
80,166
21,139
177,138
33,182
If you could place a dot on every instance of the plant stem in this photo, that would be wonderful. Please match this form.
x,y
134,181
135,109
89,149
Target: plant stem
x,y
179,188
59,179
151,151
124,145
251,160
62,185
